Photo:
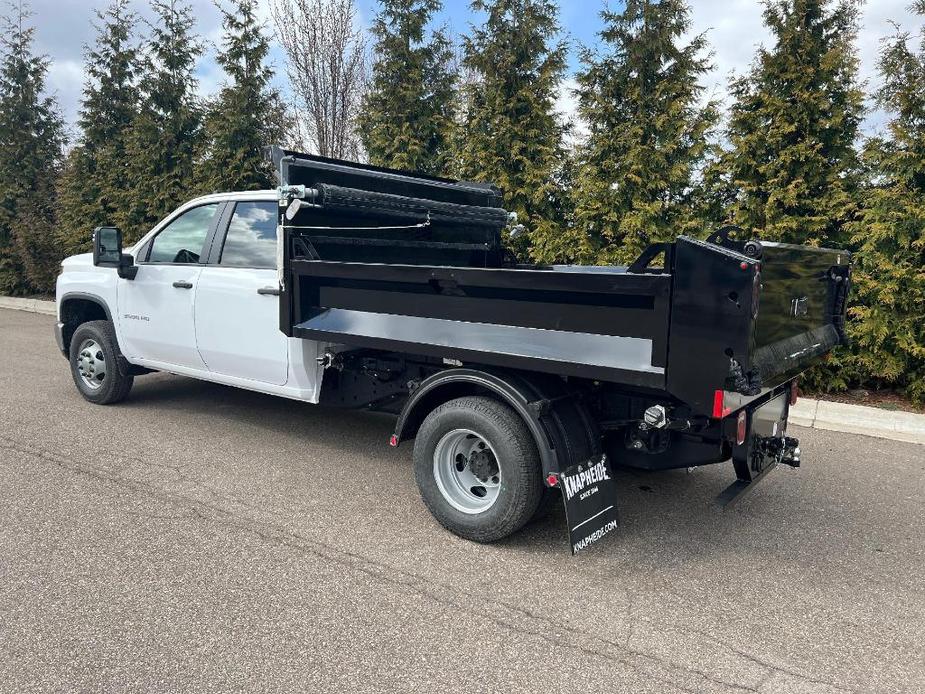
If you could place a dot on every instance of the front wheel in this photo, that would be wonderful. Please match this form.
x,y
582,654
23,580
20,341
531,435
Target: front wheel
x,y
477,468
95,366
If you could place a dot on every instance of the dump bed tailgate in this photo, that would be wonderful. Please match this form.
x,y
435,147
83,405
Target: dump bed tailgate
x,y
801,309
742,325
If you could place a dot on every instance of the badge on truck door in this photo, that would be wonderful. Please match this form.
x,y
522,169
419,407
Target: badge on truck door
x,y
590,496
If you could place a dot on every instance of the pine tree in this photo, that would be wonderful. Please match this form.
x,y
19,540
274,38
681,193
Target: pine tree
x,y
648,132
31,142
794,124
509,133
889,274
247,115
166,137
407,114
92,185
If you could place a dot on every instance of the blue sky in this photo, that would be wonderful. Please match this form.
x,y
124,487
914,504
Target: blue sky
x,y
734,29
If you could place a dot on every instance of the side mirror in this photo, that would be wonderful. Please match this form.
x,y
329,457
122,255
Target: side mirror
x,y
107,246
107,252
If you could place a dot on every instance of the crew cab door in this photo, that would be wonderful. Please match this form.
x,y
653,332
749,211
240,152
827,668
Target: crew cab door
x,y
237,301
156,318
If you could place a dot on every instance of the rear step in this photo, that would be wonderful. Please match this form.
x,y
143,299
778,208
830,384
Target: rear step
x,y
783,451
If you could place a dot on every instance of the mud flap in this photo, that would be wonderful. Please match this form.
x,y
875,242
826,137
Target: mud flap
x,y
589,493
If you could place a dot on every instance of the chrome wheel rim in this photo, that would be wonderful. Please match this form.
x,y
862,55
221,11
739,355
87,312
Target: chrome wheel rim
x,y
466,471
91,363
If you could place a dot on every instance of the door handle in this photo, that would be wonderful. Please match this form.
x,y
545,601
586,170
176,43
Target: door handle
x,y
182,284
268,291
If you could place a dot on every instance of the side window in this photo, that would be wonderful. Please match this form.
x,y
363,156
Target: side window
x,y
182,240
251,239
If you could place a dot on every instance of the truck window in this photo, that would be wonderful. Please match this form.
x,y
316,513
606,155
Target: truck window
x,y
181,241
251,239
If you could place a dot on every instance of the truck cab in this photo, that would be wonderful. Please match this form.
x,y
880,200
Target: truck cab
x,y
202,301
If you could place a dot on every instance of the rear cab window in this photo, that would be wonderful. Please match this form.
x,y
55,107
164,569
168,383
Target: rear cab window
x,y
251,238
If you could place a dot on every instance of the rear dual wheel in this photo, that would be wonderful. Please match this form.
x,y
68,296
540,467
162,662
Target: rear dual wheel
x,y
478,469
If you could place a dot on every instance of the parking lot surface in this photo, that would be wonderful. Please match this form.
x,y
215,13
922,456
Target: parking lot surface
x,y
202,538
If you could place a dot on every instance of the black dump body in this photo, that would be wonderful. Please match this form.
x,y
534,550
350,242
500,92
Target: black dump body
x,y
375,258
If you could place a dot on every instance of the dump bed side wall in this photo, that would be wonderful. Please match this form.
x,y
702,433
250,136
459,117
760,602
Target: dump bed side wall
x,y
389,260
606,326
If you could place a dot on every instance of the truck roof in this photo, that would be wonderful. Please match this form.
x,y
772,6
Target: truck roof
x,y
233,195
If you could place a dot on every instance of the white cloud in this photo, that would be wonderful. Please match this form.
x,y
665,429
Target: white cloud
x,y
566,107
877,23
734,29
64,81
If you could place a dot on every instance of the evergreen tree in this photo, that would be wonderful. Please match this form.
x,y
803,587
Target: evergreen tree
x,y
31,141
509,132
407,114
167,135
648,132
93,182
889,273
247,115
794,124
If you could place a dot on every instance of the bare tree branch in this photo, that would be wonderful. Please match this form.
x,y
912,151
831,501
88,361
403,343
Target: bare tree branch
x,y
326,65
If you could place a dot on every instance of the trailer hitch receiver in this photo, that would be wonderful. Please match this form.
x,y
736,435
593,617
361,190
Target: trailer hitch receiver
x,y
771,450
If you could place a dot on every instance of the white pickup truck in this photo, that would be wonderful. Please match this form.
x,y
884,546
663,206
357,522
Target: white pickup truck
x,y
359,287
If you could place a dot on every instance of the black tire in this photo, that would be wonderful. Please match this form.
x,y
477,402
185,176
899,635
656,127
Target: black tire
x,y
116,383
549,502
518,462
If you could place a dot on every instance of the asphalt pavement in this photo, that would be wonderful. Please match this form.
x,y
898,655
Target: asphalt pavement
x,y
199,538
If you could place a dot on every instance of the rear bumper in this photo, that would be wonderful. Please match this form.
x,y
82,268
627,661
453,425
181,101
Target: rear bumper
x,y
59,338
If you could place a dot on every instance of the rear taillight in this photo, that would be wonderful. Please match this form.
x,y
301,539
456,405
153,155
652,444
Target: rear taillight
x,y
794,392
756,294
719,405
741,428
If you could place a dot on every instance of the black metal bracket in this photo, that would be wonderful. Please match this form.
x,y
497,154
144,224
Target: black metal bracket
x,y
652,251
127,269
839,279
723,237
302,248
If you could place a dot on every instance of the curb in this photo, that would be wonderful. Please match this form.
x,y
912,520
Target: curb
x,y
908,427
46,308
859,419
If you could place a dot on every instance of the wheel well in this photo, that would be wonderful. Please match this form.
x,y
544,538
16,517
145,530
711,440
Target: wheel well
x,y
77,311
563,428
431,400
